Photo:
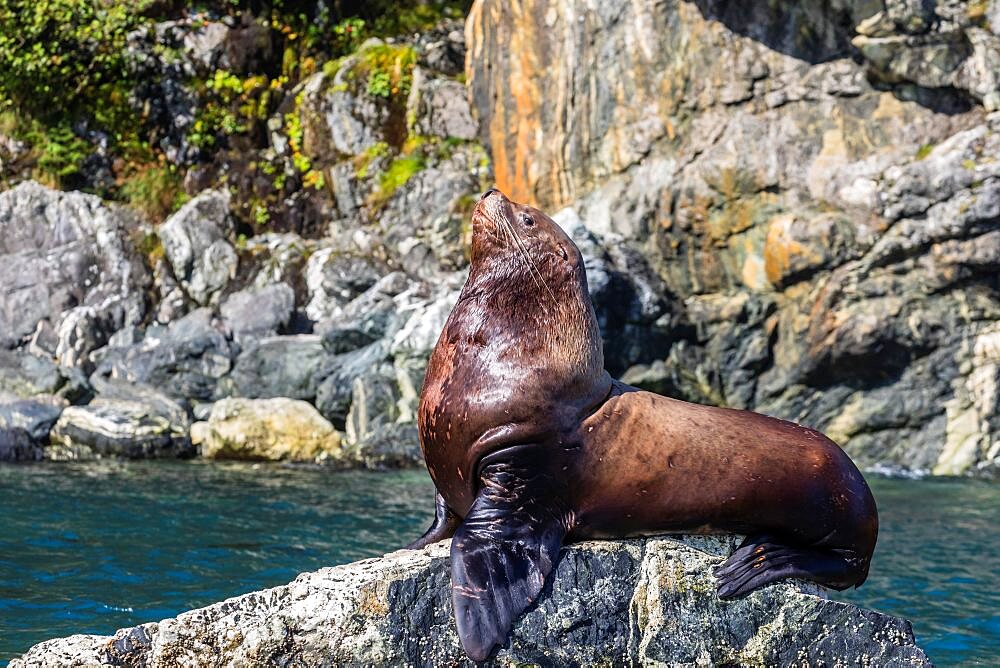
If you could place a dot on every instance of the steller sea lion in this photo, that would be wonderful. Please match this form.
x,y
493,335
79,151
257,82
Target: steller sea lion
x,y
532,444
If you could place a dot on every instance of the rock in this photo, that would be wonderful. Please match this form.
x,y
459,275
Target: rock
x,y
422,223
64,260
121,427
368,318
442,48
258,312
34,416
439,108
631,302
27,375
215,45
17,445
11,152
195,242
390,446
632,602
266,429
185,360
280,366
334,394
338,114
335,278
276,258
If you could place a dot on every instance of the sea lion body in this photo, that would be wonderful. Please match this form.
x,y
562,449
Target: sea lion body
x,y
650,464
532,444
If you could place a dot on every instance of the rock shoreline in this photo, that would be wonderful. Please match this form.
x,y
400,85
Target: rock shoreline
x,y
842,273
633,602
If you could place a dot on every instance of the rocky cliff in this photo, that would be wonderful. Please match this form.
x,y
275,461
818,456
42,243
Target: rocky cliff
x,y
611,603
814,183
791,207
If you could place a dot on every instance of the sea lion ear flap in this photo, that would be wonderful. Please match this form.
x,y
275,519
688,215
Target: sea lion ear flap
x,y
501,556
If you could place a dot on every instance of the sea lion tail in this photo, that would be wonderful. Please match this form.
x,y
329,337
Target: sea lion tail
x,y
502,554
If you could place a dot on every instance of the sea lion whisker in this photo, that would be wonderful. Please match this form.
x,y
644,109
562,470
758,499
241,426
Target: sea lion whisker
x,y
520,252
531,265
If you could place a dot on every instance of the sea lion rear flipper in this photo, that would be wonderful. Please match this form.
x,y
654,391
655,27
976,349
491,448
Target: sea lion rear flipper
x,y
762,559
502,553
444,525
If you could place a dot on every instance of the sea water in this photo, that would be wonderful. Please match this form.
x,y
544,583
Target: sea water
x,y
93,547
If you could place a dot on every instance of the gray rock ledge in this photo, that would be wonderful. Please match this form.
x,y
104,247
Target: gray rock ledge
x,y
635,602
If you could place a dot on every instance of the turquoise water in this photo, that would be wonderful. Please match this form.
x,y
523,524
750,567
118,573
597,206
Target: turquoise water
x,y
89,548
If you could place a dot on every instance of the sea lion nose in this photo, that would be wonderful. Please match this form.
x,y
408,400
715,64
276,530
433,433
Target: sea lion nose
x,y
488,193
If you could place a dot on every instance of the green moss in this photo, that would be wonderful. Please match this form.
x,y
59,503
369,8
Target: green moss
x,y
387,70
260,215
154,190
373,152
73,49
149,246
396,176
924,151
402,20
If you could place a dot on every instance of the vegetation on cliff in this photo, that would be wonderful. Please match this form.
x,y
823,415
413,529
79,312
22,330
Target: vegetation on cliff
x,y
95,89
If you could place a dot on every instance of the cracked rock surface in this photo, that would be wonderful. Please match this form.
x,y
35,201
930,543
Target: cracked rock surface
x,y
635,602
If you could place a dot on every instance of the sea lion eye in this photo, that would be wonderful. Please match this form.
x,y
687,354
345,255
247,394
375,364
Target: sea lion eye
x,y
527,220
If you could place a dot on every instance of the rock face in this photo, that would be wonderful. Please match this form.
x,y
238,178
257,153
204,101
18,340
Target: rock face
x,y
65,261
629,603
818,206
195,240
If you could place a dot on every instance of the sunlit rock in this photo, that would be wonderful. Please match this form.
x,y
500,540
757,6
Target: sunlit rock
x,y
633,602
266,429
195,240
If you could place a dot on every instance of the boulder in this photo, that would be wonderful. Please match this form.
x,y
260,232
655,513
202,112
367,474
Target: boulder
x,y
185,359
65,261
277,366
195,241
335,278
391,445
371,316
632,603
338,115
334,394
26,375
258,312
266,429
121,427
17,445
442,48
35,415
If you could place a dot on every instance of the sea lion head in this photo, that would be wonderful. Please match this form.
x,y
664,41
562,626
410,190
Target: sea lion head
x,y
521,242
533,283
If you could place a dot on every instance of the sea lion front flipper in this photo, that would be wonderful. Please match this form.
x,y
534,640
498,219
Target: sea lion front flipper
x,y
444,525
502,553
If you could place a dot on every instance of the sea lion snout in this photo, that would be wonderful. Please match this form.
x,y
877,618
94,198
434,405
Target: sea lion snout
x,y
488,193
